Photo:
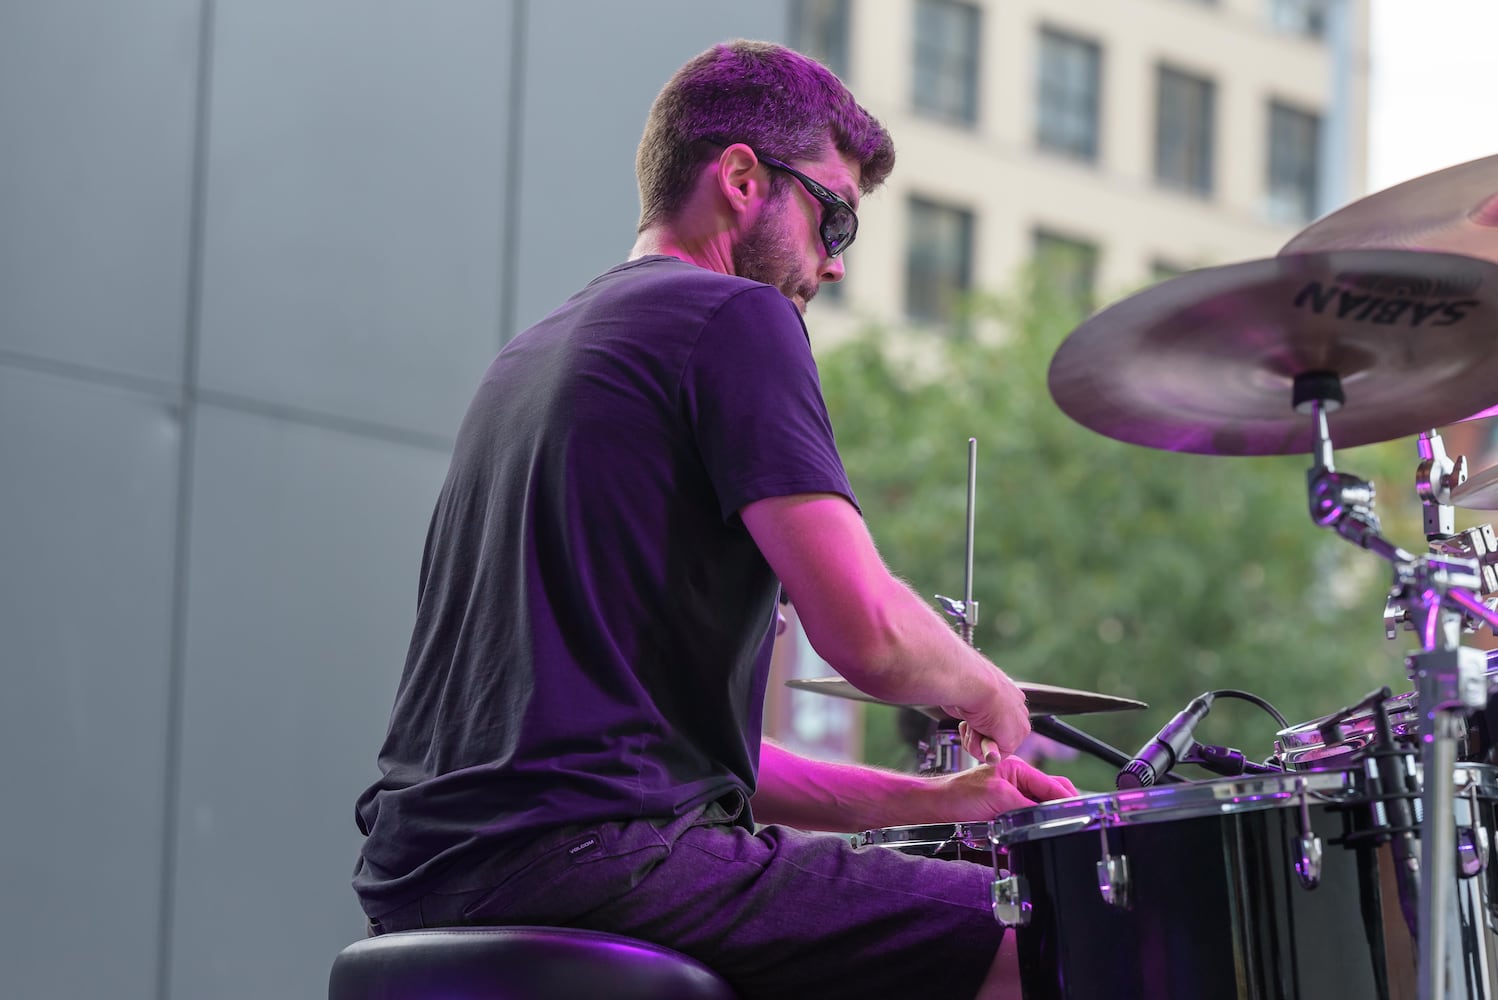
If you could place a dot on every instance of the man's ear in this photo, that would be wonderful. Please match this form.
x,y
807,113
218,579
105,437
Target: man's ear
x,y
741,182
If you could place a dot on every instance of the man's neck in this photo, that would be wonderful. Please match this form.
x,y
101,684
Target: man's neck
x,y
712,254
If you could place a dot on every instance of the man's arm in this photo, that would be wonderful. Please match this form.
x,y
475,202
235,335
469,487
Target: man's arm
x,y
872,628
847,798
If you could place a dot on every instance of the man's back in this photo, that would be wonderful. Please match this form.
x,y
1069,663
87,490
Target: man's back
x,y
592,631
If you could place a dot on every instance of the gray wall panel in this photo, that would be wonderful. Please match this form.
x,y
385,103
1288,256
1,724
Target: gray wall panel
x,y
354,205
96,113
88,497
305,549
353,276
581,128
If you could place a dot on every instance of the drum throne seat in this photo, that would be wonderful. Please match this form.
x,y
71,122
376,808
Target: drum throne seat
x,y
517,963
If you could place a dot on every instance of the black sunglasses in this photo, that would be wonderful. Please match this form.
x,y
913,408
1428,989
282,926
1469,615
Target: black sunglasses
x,y
839,221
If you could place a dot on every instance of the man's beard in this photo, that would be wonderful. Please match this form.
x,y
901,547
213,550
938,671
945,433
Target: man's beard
x,y
767,254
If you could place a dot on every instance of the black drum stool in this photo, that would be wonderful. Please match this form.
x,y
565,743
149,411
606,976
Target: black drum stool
x,y
517,963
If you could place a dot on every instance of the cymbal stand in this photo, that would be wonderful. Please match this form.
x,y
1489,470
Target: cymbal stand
x,y
1434,592
1435,479
965,611
945,754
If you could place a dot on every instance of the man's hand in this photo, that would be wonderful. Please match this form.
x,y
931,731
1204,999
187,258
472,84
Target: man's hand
x,y
981,793
849,798
995,729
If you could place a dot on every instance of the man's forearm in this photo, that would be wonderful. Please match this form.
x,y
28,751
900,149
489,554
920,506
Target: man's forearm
x,y
843,798
917,658
871,627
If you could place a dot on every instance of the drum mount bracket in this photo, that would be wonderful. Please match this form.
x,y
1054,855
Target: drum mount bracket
x,y
1430,592
1435,477
1450,680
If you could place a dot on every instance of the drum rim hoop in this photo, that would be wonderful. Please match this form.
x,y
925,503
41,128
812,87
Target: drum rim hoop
x,y
1199,800
970,832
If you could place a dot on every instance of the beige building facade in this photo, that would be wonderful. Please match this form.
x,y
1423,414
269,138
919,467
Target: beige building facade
x,y
1137,138
1122,140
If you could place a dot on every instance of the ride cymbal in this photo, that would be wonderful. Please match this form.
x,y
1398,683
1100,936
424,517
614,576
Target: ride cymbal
x,y
1043,699
1454,210
1206,362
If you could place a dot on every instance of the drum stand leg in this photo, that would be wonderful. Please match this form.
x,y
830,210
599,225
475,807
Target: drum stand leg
x,y
1448,680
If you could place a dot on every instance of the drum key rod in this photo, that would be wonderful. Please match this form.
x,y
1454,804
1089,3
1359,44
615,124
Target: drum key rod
x,y
1113,880
1472,840
1011,898
1011,892
1308,865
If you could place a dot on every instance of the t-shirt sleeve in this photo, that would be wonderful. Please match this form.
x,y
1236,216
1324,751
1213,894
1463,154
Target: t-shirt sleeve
x,y
751,395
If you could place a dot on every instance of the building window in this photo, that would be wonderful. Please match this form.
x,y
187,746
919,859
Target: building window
x,y
1065,272
819,28
1294,164
938,262
1067,111
946,59
1184,126
1306,18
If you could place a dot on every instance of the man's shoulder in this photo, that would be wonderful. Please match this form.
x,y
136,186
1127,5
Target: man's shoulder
x,y
658,275
656,299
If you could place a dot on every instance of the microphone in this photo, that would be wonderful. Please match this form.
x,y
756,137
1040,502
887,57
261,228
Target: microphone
x,y
1155,759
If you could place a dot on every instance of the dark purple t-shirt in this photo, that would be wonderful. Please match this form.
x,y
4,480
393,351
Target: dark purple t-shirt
x,y
593,625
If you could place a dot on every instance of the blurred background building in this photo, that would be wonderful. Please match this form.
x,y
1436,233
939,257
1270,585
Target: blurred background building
x,y
1117,142
1108,144
254,255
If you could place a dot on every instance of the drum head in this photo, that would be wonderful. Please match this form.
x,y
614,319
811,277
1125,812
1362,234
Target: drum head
x,y
1161,804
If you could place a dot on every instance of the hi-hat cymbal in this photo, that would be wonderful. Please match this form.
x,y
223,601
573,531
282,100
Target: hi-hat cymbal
x,y
1480,492
1043,699
1454,210
1206,362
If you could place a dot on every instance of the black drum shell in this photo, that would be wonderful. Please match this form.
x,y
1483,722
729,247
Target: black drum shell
x,y
1217,908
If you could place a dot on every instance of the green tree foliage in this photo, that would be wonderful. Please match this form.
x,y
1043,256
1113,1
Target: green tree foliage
x,y
1107,566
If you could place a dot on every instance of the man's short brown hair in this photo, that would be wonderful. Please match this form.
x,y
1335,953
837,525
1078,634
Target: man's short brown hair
x,y
774,99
